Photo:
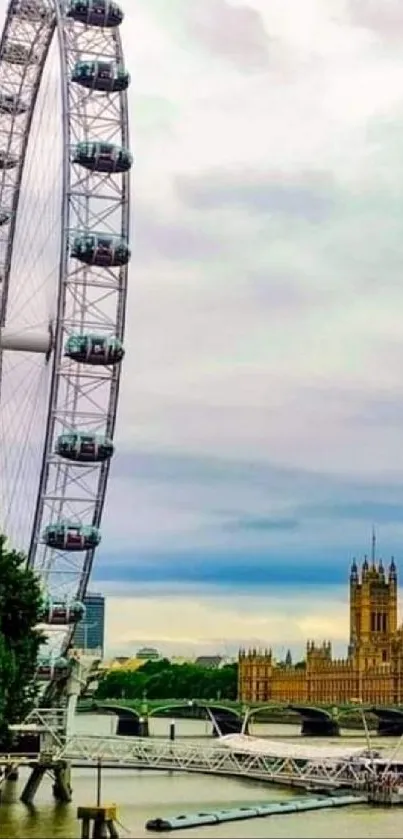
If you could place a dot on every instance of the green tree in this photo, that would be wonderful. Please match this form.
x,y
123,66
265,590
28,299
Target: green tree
x,y
20,608
163,680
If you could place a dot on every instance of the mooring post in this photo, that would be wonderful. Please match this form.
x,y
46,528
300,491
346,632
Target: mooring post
x,y
143,727
172,730
144,730
99,781
101,818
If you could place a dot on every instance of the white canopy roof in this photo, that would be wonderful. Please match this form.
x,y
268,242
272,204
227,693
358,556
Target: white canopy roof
x,y
277,748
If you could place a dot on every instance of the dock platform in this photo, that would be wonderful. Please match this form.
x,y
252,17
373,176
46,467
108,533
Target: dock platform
x,y
253,811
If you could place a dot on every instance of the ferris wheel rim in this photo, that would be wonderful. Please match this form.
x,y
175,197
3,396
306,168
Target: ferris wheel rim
x,y
57,26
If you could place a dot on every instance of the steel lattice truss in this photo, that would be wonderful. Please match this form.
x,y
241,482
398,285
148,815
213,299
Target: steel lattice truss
x,y
91,300
139,753
130,753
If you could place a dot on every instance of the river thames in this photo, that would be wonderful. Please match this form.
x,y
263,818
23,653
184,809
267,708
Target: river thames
x,y
144,795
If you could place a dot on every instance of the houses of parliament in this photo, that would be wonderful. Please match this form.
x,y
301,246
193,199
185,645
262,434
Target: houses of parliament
x,y
372,671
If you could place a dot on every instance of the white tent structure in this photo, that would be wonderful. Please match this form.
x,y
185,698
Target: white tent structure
x,y
278,749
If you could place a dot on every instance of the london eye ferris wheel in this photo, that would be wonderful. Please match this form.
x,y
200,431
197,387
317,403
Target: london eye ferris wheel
x,y
64,252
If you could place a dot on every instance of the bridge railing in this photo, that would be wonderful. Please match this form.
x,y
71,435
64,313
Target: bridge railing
x,y
49,723
194,757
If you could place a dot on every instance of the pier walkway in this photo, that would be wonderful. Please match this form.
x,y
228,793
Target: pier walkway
x,y
280,763
307,766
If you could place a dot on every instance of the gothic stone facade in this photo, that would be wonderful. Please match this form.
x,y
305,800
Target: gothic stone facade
x,y
372,671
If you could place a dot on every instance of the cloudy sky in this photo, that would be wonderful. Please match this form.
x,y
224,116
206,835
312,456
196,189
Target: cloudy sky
x,y
260,425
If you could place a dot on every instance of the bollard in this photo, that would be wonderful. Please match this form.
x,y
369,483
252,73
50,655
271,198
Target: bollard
x,y
143,727
99,782
172,730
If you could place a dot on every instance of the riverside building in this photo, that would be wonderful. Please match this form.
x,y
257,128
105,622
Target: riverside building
x,y
372,671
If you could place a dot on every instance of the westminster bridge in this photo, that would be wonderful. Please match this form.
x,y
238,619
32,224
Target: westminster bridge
x,y
230,717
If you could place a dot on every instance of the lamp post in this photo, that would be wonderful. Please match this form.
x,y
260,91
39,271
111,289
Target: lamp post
x,y
358,701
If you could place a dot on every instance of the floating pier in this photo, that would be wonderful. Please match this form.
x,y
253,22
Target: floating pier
x,y
255,811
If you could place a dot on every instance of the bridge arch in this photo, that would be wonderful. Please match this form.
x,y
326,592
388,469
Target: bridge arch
x,y
129,720
390,721
162,710
221,710
225,720
111,707
316,722
254,712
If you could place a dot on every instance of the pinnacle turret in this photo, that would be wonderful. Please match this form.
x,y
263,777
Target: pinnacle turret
x,y
354,572
373,549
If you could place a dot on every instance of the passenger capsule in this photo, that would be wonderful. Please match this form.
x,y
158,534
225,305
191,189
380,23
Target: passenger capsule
x,y
7,160
12,104
62,614
94,349
103,76
96,12
103,250
69,536
84,447
44,672
102,157
48,670
19,54
4,218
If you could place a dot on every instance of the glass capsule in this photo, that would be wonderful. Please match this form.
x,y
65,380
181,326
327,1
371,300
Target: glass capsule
x,y
94,349
101,249
48,670
69,536
96,12
102,157
103,76
84,447
62,614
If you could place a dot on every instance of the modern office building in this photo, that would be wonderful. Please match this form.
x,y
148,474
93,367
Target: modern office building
x,y
89,634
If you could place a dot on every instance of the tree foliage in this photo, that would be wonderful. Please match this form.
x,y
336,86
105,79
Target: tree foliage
x,y
20,606
163,680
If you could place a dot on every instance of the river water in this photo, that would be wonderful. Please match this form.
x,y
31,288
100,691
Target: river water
x,y
144,795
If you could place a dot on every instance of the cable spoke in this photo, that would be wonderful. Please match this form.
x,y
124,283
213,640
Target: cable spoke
x,y
51,292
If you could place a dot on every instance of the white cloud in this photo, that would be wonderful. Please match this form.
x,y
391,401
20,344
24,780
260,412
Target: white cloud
x,y
187,623
215,363
264,316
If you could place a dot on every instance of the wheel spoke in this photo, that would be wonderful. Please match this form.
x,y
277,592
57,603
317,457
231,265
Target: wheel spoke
x,y
64,226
